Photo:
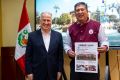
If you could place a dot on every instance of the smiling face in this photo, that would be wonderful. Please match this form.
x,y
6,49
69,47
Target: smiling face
x,y
46,21
81,13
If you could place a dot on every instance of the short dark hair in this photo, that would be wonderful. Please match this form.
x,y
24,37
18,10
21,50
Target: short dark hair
x,y
81,3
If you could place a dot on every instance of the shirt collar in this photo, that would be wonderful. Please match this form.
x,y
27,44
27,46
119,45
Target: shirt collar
x,y
83,23
43,32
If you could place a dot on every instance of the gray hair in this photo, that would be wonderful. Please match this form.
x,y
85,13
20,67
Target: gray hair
x,y
45,13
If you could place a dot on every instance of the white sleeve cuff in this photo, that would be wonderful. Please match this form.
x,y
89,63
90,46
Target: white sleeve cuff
x,y
67,48
105,43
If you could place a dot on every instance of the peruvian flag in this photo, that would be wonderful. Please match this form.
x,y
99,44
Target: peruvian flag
x,y
22,36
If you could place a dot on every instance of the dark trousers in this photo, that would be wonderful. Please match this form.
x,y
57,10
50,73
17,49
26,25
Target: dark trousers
x,y
82,76
46,76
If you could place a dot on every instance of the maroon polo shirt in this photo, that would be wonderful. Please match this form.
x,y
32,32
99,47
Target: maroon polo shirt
x,y
87,32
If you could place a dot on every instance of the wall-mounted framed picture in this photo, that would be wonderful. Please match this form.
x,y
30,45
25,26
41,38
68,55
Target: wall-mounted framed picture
x,y
105,11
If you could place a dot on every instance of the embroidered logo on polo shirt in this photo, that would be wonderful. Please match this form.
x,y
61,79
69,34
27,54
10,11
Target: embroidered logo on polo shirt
x,y
91,31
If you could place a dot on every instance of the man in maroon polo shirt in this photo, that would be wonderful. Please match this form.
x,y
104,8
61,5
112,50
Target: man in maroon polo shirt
x,y
84,30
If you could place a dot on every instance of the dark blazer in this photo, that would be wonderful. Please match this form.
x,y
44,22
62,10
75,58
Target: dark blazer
x,y
39,62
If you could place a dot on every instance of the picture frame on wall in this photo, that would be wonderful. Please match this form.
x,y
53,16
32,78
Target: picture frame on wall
x,y
106,11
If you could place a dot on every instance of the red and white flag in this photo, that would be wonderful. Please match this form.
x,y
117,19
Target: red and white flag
x,y
22,37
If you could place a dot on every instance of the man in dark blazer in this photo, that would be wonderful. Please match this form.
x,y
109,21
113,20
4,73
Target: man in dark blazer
x,y
44,52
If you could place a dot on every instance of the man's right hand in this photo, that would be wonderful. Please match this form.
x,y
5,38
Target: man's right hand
x,y
30,76
71,53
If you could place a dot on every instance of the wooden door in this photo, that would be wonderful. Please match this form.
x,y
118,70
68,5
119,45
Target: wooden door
x,y
10,70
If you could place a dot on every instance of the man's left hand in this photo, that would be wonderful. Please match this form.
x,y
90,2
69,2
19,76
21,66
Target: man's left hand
x,y
102,49
59,75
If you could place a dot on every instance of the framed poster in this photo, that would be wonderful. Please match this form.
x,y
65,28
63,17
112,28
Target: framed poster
x,y
105,11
